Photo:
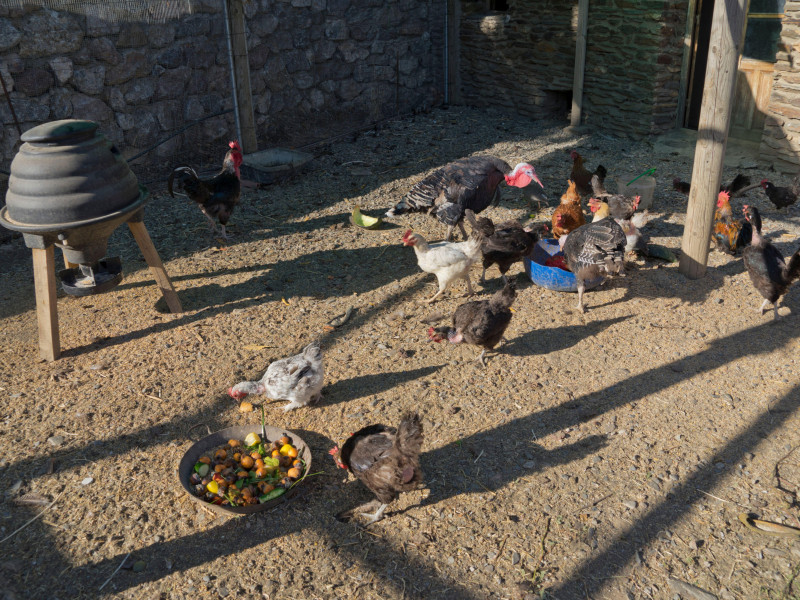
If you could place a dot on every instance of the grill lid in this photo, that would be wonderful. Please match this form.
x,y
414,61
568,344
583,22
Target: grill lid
x,y
67,172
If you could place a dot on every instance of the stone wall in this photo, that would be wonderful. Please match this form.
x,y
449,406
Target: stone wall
x,y
318,68
524,58
780,141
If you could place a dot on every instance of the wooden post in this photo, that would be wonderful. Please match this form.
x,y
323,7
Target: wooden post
x,y
44,280
727,34
153,260
580,63
241,76
453,51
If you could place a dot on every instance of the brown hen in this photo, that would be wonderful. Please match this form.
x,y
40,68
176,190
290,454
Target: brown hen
x,y
568,215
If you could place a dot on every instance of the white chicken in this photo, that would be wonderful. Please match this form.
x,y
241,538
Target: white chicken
x,y
447,260
297,379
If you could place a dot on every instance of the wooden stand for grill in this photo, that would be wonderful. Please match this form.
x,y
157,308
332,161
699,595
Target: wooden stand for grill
x,y
44,276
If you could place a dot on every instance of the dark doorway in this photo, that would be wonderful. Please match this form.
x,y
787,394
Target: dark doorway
x,y
704,12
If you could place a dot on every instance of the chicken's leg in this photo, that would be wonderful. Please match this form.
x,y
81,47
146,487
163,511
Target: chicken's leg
x,y
211,222
483,276
470,291
449,235
463,231
436,295
377,515
581,288
481,357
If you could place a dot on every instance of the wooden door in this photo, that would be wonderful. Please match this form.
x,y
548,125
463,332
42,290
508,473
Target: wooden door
x,y
754,83
753,89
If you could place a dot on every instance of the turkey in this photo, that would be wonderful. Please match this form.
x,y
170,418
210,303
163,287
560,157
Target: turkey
x,y
468,183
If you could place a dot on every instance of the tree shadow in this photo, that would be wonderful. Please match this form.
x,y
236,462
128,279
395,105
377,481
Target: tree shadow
x,y
545,341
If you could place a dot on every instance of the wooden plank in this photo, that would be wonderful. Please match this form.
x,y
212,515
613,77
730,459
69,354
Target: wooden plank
x,y
153,260
580,63
453,52
241,76
727,37
686,62
44,278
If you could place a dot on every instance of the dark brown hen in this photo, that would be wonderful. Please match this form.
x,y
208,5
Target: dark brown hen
x,y
384,459
216,196
781,197
506,243
468,183
582,176
770,273
480,322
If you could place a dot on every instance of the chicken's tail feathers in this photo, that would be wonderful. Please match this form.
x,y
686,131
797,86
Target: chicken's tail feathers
x,y
314,350
793,267
409,435
180,173
739,182
504,298
601,172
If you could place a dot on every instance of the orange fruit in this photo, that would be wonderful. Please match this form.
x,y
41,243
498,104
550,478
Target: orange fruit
x,y
247,462
204,459
294,472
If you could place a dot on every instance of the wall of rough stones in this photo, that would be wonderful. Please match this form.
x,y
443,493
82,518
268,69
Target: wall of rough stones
x,y
318,68
780,142
524,58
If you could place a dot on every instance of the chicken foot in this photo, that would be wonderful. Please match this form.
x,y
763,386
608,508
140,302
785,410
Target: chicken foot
x,y
213,224
372,517
763,308
581,288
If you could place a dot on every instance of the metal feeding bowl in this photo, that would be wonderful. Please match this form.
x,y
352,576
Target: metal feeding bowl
x,y
239,432
69,186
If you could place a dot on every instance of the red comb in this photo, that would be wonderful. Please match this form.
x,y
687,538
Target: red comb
x,y
234,145
333,450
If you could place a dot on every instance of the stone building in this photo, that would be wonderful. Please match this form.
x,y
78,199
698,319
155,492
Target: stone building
x,y
146,68
645,63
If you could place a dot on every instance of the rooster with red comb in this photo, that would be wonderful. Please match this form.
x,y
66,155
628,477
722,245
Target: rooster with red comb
x,y
216,196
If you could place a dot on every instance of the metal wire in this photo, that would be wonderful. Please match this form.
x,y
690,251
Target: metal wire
x,y
147,11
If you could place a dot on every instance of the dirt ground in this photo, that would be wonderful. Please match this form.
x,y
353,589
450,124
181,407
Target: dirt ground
x,y
604,455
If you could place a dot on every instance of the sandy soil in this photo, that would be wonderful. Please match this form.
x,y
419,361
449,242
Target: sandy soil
x,y
597,456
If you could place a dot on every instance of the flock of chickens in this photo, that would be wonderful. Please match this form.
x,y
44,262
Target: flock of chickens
x,y
386,459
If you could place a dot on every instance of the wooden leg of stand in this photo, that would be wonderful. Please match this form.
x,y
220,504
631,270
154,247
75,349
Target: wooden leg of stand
x,y
44,277
150,254
67,264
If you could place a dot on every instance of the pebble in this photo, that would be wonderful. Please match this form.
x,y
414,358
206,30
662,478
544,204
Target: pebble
x,y
529,464
87,480
515,558
223,591
631,504
55,440
451,560
96,367
206,578
139,566
156,539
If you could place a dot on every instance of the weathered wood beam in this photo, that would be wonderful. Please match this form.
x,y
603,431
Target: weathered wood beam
x,y
727,34
241,76
580,63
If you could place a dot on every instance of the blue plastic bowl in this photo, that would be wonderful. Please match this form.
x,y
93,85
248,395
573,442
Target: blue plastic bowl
x,y
552,278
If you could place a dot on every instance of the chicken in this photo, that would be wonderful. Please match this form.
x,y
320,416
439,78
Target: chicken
x,y
684,187
384,459
217,196
568,215
782,196
468,183
729,234
620,206
480,322
506,243
582,176
770,273
447,260
738,184
297,379
595,249
631,227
